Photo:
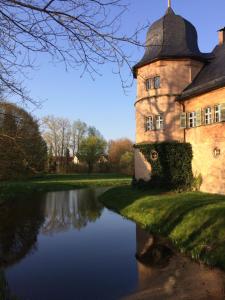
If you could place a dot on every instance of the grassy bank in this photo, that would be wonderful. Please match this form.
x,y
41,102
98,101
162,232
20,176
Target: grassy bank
x,y
9,189
194,222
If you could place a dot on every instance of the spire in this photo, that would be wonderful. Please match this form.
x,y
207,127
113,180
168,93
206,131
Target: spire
x,y
169,3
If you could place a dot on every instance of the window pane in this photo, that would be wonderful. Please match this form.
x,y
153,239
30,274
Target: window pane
x,y
208,115
192,119
156,82
159,122
148,84
149,125
217,113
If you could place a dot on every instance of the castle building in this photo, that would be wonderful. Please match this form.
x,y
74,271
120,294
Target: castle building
x,y
181,97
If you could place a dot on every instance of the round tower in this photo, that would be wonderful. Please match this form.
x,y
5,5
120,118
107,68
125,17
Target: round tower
x,y
171,61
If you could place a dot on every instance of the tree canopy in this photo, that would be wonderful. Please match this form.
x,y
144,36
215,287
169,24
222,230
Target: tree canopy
x,y
91,150
23,151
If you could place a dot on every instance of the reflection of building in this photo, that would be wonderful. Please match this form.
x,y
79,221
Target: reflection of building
x,y
165,275
181,97
151,257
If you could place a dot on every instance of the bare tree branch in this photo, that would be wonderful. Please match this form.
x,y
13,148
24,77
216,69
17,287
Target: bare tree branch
x,y
80,33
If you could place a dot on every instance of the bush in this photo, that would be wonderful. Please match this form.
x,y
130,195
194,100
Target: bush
x,y
171,164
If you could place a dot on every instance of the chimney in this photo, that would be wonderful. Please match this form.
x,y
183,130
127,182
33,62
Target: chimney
x,y
221,36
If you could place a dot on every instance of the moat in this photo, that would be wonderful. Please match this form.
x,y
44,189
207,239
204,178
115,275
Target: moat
x,y
66,245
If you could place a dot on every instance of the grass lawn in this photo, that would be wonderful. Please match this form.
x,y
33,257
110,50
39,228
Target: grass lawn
x,y
9,189
194,222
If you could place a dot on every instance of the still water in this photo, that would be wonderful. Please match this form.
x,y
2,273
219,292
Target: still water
x,y
66,245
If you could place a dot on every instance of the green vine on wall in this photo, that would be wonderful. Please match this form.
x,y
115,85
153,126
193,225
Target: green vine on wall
x,y
172,168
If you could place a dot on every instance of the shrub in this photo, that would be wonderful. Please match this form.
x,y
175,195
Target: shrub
x,y
197,182
171,164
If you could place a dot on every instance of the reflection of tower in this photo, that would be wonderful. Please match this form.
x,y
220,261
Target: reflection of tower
x,y
165,275
144,242
152,258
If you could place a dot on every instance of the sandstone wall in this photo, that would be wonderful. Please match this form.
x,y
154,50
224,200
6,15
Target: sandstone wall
x,y
174,76
204,140
142,166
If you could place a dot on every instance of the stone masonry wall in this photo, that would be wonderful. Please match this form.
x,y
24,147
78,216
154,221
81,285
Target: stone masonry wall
x,y
204,140
175,75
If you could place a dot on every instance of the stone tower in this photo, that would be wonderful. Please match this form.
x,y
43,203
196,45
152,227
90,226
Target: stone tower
x,y
171,61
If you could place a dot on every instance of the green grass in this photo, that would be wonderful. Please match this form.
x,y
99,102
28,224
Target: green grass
x,y
194,222
10,189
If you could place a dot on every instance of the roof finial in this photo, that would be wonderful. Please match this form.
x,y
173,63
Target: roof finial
x,y
169,3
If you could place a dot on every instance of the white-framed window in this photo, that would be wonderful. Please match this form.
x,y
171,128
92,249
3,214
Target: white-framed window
x,y
157,82
148,84
159,122
208,115
192,119
149,123
217,113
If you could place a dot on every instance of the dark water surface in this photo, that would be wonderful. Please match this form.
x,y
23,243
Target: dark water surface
x,y
65,245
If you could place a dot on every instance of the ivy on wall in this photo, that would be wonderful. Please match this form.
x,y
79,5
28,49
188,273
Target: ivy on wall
x,y
171,164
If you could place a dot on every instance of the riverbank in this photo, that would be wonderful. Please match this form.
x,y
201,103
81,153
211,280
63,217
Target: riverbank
x,y
194,222
47,183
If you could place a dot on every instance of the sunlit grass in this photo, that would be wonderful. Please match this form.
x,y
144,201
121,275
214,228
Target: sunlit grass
x,y
9,189
194,221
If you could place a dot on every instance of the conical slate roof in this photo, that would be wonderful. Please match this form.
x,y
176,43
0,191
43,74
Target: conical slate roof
x,y
171,37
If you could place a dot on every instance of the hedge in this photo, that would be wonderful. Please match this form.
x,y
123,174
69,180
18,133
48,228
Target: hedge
x,y
172,165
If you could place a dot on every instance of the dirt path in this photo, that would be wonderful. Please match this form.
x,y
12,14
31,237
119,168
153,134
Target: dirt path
x,y
165,275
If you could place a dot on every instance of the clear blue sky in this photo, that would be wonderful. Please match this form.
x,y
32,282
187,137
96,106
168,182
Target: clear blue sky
x,y
102,103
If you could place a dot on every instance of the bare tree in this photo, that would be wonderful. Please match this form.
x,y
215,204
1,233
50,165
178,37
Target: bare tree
x,y
50,128
80,33
79,130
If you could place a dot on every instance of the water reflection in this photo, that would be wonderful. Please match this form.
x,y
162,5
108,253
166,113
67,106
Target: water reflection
x,y
81,250
21,220
70,209
152,256
166,275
